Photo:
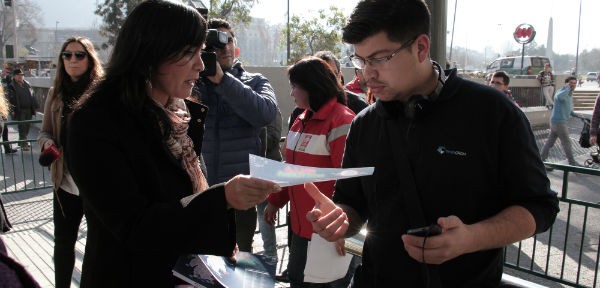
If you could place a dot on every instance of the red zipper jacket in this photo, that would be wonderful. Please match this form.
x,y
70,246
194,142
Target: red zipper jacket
x,y
317,142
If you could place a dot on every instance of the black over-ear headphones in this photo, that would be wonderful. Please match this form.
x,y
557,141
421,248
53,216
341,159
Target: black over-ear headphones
x,y
417,104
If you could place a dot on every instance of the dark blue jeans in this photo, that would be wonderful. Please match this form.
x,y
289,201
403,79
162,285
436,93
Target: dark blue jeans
x,y
66,229
267,232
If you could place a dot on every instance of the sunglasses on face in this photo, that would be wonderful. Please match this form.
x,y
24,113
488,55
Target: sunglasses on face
x,y
79,55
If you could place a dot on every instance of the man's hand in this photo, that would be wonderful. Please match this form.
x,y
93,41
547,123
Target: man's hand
x,y
216,79
453,242
339,246
327,220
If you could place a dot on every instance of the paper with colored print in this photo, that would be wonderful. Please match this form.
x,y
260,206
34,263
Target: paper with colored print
x,y
285,174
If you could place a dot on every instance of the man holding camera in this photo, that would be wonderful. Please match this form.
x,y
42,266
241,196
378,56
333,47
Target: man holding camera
x,y
240,104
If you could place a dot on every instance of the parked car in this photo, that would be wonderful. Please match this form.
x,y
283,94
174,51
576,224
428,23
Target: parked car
x,y
591,76
512,65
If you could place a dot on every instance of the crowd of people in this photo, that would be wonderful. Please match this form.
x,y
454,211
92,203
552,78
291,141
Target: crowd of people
x,y
156,156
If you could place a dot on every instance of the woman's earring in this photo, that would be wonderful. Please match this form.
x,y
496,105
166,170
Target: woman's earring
x,y
148,87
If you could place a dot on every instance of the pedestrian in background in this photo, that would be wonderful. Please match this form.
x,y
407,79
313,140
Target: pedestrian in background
x,y
4,108
4,113
595,123
500,81
546,79
356,102
20,95
358,84
134,152
563,109
78,69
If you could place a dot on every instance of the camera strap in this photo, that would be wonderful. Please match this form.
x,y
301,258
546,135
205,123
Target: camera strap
x,y
412,201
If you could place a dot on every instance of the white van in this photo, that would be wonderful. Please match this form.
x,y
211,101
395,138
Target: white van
x,y
512,65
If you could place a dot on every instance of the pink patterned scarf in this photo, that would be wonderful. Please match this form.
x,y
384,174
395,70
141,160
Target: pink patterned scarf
x,y
181,145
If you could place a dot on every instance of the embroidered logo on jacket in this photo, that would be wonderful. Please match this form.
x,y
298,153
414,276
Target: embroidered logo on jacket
x,y
443,150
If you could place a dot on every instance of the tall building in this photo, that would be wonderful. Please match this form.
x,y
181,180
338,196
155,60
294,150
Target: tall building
x,y
260,44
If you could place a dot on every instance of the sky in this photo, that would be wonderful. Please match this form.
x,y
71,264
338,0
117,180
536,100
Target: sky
x,y
479,23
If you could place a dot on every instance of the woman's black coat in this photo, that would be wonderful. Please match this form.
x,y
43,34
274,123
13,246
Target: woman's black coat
x,y
131,188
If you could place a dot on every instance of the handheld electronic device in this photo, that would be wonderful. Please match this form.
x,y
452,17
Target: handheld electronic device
x,y
426,231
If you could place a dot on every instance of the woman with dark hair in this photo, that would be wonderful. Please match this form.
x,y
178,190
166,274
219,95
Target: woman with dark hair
x,y
134,152
78,68
317,138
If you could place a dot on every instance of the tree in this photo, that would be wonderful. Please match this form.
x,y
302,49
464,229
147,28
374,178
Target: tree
x,y
236,12
114,12
309,35
28,19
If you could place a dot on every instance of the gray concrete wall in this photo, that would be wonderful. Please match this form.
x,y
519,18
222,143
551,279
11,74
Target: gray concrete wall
x,y
279,80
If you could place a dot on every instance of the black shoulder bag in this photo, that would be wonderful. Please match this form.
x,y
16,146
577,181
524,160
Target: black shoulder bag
x,y
584,137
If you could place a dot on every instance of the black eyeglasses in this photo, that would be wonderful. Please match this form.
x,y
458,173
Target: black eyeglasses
x,y
79,55
361,63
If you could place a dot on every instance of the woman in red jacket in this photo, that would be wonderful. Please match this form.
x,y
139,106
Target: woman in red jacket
x,y
317,139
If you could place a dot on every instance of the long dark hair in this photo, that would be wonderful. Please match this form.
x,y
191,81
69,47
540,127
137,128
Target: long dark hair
x,y
154,32
317,78
93,73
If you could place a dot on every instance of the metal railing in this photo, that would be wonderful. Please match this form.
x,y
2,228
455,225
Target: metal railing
x,y
568,253
21,171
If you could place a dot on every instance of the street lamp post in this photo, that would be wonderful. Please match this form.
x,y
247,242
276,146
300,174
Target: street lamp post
x,y
56,37
288,33
577,53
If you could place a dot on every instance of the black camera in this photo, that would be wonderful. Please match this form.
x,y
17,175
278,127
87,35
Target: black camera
x,y
214,39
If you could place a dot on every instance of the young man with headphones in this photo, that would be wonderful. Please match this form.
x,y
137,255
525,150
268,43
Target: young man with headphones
x,y
447,152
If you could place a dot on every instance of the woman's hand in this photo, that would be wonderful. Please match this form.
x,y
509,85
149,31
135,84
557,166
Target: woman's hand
x,y
593,140
243,192
47,144
233,259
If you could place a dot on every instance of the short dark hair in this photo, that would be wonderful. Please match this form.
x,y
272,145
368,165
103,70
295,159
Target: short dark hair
x,y
215,23
329,56
504,76
402,20
316,77
570,78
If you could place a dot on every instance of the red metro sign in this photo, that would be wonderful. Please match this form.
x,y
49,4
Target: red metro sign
x,y
524,33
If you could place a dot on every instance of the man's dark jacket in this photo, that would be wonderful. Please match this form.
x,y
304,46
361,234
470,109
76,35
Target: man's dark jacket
x,y
469,153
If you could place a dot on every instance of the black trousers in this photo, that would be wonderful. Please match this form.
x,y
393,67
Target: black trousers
x,y
245,223
66,229
5,137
